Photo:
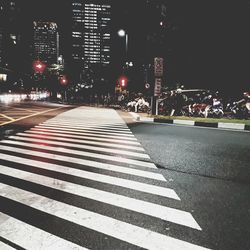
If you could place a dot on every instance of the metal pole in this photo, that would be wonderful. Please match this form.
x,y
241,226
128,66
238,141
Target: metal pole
x,y
126,41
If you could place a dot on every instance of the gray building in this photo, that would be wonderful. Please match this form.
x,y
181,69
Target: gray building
x,y
46,42
91,33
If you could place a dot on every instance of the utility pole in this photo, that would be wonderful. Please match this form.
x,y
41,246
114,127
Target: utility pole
x,y
158,73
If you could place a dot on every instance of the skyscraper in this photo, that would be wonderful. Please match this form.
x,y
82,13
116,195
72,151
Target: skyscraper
x,y
91,33
9,32
46,42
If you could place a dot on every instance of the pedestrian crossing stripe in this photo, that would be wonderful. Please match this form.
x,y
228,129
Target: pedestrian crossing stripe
x,y
75,152
30,237
89,138
55,138
84,127
103,132
82,146
80,132
4,246
67,143
143,187
121,230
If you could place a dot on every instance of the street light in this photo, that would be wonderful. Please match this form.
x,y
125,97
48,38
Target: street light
x,y
123,33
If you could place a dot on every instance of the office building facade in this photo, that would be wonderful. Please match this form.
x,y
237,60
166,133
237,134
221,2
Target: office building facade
x,y
46,42
91,33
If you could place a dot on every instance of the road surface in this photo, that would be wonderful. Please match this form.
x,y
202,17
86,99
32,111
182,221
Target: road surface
x,y
78,178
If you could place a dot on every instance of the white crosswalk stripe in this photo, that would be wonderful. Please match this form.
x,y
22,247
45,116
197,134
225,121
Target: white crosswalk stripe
x,y
87,155
83,141
30,237
96,131
4,246
161,191
79,132
93,127
82,146
50,132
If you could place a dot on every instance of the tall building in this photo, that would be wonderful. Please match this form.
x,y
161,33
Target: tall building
x,y
10,35
46,42
91,32
1,45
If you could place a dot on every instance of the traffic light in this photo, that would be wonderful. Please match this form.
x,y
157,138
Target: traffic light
x,y
123,82
63,80
39,66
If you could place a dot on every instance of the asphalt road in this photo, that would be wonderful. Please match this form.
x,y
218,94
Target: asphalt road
x,y
81,179
16,117
210,170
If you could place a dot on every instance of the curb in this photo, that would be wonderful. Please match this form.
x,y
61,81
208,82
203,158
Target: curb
x,y
223,125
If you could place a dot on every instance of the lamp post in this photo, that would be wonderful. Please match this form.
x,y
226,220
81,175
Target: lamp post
x,y
123,33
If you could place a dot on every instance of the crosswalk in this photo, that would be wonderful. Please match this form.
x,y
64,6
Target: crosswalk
x,y
81,180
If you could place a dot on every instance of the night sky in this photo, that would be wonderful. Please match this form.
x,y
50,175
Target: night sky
x,y
208,45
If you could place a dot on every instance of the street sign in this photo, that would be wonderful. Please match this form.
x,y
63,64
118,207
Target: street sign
x,y
118,89
157,90
158,66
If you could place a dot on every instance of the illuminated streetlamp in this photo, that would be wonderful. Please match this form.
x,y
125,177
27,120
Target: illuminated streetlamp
x,y
123,33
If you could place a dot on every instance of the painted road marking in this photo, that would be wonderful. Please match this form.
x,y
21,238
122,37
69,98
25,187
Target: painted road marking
x,y
139,186
121,230
173,215
71,140
93,164
82,146
39,113
87,130
69,131
57,133
30,237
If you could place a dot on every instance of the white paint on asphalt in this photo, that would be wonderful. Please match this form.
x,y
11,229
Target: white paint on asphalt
x,y
134,185
121,230
94,128
81,146
56,133
105,132
85,132
84,125
71,140
30,237
4,246
161,212
92,135
92,164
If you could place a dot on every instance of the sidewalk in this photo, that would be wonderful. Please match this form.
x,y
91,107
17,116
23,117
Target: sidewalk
x,y
143,117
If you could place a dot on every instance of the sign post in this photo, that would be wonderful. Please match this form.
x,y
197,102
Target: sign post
x,y
158,72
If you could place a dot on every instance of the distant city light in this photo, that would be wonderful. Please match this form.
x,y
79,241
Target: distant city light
x,y
121,33
39,66
63,80
123,81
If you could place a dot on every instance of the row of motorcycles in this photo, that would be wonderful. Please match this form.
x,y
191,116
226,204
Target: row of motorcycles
x,y
231,110
179,104
138,105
